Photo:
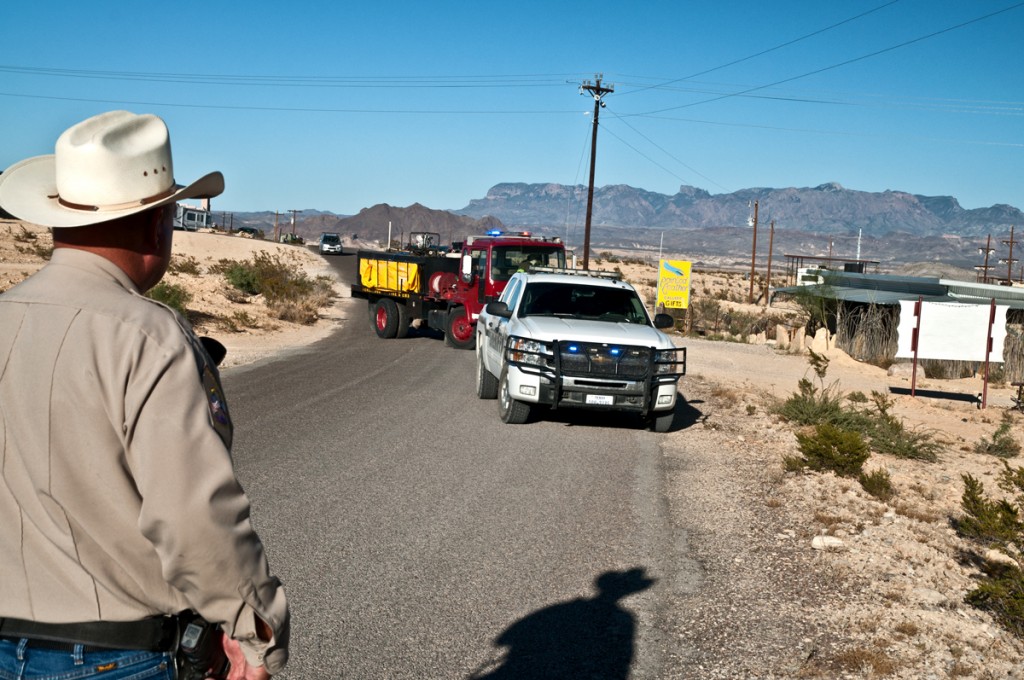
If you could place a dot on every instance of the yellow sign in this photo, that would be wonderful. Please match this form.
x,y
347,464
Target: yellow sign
x,y
674,284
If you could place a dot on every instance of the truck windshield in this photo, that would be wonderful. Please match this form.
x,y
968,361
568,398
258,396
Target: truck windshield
x,y
507,260
582,302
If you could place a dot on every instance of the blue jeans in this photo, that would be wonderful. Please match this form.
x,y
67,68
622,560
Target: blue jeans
x,y
19,661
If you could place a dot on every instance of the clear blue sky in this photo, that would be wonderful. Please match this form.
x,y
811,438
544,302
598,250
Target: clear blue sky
x,y
340,106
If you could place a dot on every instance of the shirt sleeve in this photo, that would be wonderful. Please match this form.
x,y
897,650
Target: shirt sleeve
x,y
193,509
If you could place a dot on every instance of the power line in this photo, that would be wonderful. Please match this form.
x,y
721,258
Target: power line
x,y
442,81
767,51
659,148
293,109
843,63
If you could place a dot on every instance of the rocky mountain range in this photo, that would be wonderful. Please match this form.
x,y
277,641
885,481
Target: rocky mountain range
x,y
825,209
889,227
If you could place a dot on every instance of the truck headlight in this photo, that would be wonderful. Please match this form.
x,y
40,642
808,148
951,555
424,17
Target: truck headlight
x,y
526,351
665,361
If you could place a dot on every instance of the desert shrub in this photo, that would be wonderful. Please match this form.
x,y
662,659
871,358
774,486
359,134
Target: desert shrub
x,y
831,448
707,313
877,483
997,524
172,295
241,275
819,403
290,294
867,332
184,264
889,434
1002,443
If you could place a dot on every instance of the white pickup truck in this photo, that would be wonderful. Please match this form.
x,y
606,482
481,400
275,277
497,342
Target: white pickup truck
x,y
571,338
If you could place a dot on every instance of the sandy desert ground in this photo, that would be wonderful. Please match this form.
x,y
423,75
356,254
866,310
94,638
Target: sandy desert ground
x,y
889,587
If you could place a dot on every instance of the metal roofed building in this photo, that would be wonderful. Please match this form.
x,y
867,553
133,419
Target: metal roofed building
x,y
887,289
867,309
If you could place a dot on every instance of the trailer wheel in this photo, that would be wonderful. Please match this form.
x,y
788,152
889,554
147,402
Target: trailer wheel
x,y
512,411
486,383
403,321
459,330
385,319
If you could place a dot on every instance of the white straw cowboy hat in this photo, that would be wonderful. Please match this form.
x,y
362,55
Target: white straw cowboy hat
x,y
108,166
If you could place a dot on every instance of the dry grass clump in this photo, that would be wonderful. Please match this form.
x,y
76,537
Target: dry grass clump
x,y
290,294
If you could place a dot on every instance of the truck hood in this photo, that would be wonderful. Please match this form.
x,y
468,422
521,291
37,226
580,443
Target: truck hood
x,y
548,328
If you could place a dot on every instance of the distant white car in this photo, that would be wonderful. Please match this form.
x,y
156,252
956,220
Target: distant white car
x,y
576,340
330,244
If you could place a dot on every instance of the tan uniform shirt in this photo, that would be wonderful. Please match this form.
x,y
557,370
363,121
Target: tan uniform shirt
x,y
118,498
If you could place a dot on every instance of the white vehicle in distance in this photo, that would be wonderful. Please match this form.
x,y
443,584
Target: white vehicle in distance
x,y
330,244
571,338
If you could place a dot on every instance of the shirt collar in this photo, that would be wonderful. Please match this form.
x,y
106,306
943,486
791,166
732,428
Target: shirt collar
x,y
85,260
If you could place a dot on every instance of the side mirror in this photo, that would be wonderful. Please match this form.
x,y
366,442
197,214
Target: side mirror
x,y
499,309
467,269
663,321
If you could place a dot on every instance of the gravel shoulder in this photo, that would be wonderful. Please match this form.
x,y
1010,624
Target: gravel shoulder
x,y
887,599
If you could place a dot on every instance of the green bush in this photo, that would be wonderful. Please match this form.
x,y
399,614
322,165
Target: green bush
x,y
1002,443
997,524
172,295
290,294
816,404
831,448
878,484
888,434
182,264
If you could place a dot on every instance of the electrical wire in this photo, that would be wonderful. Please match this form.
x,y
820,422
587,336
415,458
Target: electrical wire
x,y
763,52
843,63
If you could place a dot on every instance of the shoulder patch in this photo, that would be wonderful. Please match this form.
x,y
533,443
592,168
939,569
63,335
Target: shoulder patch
x,y
218,406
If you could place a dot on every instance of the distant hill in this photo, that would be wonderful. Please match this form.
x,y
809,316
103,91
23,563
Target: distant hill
x,y
371,224
892,227
825,209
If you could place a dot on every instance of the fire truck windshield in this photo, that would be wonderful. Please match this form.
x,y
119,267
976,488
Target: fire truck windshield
x,y
507,260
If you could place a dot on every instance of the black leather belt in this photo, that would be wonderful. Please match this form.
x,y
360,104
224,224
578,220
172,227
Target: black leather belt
x,y
155,634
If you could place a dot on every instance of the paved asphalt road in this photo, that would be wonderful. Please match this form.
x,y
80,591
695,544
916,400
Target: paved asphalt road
x,y
413,529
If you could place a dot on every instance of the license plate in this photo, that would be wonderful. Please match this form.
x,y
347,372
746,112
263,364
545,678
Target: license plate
x,y
601,399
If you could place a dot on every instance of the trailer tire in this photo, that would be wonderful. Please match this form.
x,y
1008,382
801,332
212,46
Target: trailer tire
x,y
385,318
486,383
458,332
512,411
403,321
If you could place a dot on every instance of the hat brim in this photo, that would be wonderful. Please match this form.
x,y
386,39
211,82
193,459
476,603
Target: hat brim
x,y
28,190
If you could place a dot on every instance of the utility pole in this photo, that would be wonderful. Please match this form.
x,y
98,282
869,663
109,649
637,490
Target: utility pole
x,y
771,245
987,250
753,257
294,213
277,235
1010,260
597,92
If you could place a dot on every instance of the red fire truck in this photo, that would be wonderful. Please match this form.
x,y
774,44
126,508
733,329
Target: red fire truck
x,y
446,287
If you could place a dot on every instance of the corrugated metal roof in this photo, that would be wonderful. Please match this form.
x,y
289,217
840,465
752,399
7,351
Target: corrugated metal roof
x,y
884,289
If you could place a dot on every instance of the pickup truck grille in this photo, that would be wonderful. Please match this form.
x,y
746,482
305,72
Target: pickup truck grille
x,y
599,360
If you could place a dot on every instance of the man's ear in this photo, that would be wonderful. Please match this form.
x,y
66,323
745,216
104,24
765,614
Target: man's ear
x,y
153,232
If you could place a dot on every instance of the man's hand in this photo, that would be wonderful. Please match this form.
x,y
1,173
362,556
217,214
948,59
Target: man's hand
x,y
240,670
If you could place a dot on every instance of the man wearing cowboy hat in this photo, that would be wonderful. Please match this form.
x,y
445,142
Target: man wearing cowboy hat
x,y
119,506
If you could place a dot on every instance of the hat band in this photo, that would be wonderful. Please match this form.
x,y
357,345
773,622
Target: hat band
x,y
116,206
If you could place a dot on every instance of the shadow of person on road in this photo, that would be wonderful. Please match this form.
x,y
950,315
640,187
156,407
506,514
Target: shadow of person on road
x,y
580,638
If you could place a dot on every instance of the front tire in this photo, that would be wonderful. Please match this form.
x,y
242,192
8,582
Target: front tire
x,y
661,421
512,411
458,331
486,383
